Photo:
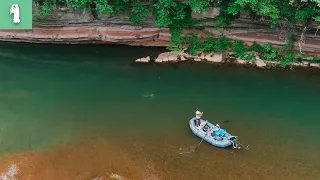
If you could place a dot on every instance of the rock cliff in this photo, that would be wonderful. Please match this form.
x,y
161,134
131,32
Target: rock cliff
x,y
66,25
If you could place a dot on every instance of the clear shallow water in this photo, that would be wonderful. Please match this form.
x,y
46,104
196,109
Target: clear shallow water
x,y
52,97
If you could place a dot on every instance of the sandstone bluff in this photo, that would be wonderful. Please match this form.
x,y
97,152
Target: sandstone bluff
x,y
69,26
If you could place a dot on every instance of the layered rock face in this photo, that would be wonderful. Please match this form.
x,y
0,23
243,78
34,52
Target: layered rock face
x,y
66,25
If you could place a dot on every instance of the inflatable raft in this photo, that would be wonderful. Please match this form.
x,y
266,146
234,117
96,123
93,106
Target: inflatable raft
x,y
218,138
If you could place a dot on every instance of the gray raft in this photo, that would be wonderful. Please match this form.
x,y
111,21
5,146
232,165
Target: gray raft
x,y
216,140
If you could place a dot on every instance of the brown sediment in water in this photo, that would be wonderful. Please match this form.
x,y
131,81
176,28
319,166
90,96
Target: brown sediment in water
x,y
84,160
178,161
152,160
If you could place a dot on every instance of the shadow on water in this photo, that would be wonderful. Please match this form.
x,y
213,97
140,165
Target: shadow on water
x,y
97,52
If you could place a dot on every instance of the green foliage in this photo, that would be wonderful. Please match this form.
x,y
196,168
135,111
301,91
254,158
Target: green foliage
x,y
220,45
162,13
239,49
209,45
266,8
285,54
198,5
269,53
176,39
287,59
176,15
193,44
255,47
250,57
45,9
47,6
98,6
165,10
138,13
226,13
102,6
288,47
315,60
180,18
223,44
121,5
305,13
79,3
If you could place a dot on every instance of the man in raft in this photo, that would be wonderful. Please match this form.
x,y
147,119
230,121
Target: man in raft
x,y
198,117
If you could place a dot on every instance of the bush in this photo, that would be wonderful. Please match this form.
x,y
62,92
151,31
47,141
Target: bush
x,y
193,44
223,44
209,45
239,49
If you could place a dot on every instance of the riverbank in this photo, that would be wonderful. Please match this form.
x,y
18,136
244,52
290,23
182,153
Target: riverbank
x,y
223,58
109,32
66,25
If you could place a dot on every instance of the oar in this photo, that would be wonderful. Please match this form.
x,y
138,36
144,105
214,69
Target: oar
x,y
208,133
202,139
224,122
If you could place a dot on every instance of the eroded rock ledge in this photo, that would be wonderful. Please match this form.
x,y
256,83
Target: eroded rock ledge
x,y
70,26
215,58
133,35
90,34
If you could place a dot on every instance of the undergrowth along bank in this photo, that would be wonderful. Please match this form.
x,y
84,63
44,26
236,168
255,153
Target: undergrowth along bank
x,y
285,55
291,18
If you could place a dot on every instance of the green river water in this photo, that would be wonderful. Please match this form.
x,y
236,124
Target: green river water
x,y
68,105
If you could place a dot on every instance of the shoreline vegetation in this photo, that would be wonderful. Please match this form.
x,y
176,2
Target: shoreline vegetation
x,y
223,50
293,20
172,57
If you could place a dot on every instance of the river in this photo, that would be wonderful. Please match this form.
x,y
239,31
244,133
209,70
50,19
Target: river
x,y
88,112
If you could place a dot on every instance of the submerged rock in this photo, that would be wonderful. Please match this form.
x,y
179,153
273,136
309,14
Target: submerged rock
x,y
10,174
97,178
144,59
148,95
116,176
